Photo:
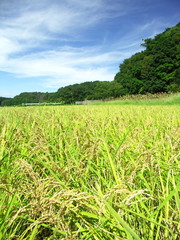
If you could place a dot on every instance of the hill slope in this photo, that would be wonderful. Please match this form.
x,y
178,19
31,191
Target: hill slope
x,y
156,69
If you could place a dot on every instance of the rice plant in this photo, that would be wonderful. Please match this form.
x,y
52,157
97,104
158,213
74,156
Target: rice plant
x,y
89,172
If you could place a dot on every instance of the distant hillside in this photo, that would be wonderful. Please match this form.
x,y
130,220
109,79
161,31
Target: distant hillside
x,y
2,99
154,70
89,91
26,97
70,94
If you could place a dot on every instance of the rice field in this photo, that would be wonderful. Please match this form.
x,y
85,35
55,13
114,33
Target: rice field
x,y
89,172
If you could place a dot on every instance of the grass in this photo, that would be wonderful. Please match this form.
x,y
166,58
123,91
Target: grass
x,y
146,100
89,172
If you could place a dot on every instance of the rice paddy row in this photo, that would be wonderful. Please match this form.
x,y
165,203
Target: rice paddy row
x,y
89,172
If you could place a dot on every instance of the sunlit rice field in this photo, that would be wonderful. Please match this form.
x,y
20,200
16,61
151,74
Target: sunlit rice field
x,y
89,172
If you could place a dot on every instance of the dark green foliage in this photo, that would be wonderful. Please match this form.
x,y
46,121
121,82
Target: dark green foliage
x,y
70,94
2,99
155,69
26,97
89,91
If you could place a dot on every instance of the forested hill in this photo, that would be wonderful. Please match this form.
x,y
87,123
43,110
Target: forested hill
x,y
156,69
2,99
70,94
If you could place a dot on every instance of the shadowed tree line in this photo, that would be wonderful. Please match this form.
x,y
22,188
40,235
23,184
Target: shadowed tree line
x,y
3,99
156,69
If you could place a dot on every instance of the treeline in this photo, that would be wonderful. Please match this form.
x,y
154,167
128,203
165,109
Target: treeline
x,y
156,69
26,97
90,91
70,94
3,99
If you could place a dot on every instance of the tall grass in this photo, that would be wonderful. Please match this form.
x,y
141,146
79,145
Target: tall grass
x,y
89,172
165,99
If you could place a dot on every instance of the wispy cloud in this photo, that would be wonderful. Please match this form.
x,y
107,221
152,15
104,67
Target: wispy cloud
x,y
67,65
37,25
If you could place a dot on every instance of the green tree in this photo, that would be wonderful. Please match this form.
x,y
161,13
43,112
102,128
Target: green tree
x,y
156,69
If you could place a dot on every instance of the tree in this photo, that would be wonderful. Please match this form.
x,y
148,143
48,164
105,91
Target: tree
x,y
156,69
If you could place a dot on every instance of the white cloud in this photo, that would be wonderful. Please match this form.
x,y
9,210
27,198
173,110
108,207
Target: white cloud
x,y
34,37
63,17
67,65
36,23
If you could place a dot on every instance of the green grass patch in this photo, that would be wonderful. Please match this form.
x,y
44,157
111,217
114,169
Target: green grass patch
x,y
146,100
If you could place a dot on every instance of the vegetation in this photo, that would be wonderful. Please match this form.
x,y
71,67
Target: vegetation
x,y
89,91
89,172
146,99
157,69
3,99
154,70
26,97
70,94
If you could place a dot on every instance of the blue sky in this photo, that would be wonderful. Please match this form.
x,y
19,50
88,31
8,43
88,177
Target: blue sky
x,y
47,44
